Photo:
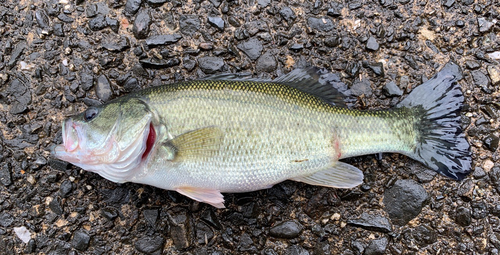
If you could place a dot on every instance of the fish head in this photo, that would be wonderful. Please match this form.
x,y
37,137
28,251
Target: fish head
x,y
112,140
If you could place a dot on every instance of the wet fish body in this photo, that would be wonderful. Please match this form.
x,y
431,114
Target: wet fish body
x,y
227,134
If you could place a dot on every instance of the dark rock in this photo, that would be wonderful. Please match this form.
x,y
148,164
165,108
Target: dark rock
x,y
216,22
211,65
189,64
141,24
471,64
424,235
356,4
91,10
484,25
252,48
131,7
103,88
333,41
479,173
6,219
448,3
98,23
20,95
377,247
323,24
463,216
58,164
479,210
288,14
466,190
65,18
42,19
150,245
66,188
297,47
151,216
266,63
204,233
460,23
16,53
211,218
362,87
113,24
377,67
296,250
287,229
80,240
491,142
180,228
58,29
391,89
159,63
481,80
109,212
55,206
116,44
404,201
86,81
131,84
157,40
372,44
189,24
246,244
156,2
372,222
5,174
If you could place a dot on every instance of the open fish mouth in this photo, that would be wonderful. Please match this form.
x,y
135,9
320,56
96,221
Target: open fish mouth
x,y
71,135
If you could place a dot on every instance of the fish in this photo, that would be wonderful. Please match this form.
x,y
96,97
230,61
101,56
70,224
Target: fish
x,y
231,134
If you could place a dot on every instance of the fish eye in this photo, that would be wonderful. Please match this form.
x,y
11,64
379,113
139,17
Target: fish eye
x,y
90,113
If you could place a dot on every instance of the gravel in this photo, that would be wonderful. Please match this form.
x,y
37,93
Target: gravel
x,y
59,57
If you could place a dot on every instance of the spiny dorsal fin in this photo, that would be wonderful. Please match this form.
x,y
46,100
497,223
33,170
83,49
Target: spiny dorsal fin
x,y
197,144
340,175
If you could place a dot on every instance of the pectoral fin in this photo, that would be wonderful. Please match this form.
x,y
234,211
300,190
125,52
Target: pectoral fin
x,y
341,175
197,144
209,196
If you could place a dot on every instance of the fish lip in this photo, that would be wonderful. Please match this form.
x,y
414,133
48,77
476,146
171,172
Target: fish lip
x,y
71,135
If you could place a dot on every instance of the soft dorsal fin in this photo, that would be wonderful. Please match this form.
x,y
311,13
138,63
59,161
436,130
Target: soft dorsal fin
x,y
308,80
311,80
197,144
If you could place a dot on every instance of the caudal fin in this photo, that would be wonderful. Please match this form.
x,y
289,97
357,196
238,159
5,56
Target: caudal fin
x,y
441,144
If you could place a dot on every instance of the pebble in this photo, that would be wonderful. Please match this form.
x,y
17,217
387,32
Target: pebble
x,y
372,44
23,233
157,40
481,80
377,67
103,88
209,217
80,240
463,216
424,235
296,250
448,3
472,65
479,210
109,213
42,19
141,24
55,206
494,73
58,29
65,18
323,24
376,247
266,63
333,41
6,219
189,24
98,23
288,14
252,48
372,222
131,7
113,24
159,63
211,65
116,44
5,174
65,188
362,87
150,244
391,89
466,190
484,25
86,81
287,229
491,142
216,22
180,227
16,53
156,2
151,216
203,233
404,201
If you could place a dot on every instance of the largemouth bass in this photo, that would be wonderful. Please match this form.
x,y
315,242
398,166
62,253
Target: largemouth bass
x,y
201,138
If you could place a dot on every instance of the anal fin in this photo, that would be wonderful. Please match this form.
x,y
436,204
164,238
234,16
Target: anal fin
x,y
209,196
340,175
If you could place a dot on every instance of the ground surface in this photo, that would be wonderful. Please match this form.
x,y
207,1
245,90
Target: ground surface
x,y
58,57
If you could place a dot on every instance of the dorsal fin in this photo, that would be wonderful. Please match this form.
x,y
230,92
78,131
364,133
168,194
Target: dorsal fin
x,y
311,80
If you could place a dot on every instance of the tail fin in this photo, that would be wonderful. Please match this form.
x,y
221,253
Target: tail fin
x,y
441,144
